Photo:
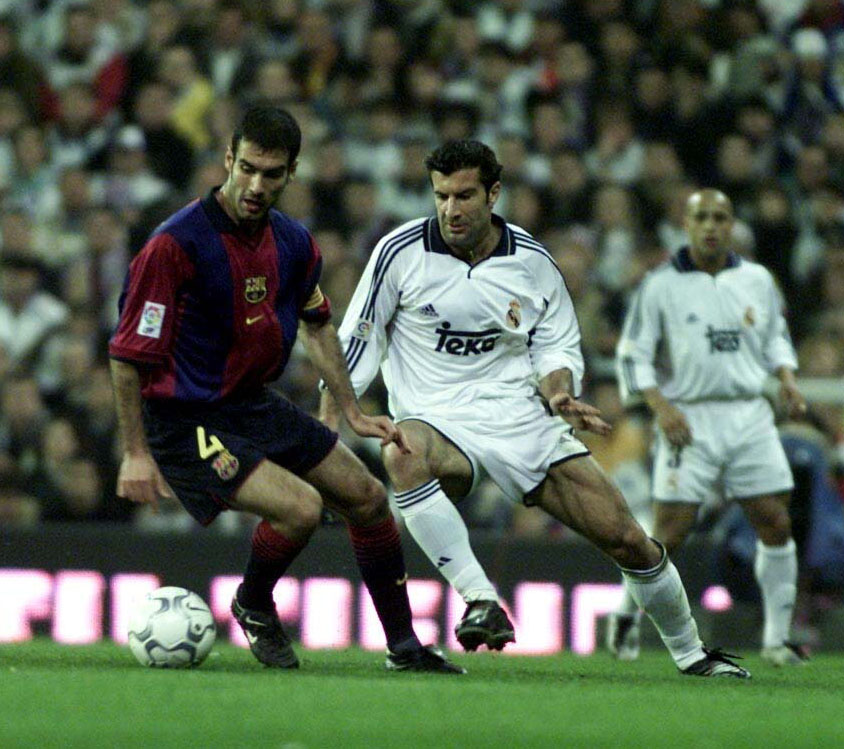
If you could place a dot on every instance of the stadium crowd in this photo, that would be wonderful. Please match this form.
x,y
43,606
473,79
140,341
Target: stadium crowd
x,y
605,113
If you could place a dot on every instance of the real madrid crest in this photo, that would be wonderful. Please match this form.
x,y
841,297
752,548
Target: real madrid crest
x,y
256,289
514,314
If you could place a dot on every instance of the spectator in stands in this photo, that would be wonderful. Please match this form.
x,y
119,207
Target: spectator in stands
x,y
29,316
19,71
84,56
192,94
77,137
130,185
170,154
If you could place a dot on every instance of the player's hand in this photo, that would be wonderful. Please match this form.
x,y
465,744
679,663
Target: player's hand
x,y
674,426
579,415
140,480
793,400
381,427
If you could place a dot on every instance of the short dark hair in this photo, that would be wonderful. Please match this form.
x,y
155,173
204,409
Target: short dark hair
x,y
271,128
466,154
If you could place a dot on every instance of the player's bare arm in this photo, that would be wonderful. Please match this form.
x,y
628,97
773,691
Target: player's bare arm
x,y
323,346
556,388
329,411
139,479
790,394
670,419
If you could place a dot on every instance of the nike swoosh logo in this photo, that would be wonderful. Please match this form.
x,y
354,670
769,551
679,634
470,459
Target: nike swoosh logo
x,y
251,320
403,580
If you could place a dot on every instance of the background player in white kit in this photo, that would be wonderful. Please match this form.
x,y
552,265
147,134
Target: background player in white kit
x,y
470,321
702,334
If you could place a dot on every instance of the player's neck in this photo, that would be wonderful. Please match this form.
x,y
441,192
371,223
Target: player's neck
x,y
483,249
247,227
709,263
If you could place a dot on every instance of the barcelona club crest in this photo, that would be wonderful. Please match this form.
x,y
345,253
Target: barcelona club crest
x,y
256,289
514,314
226,465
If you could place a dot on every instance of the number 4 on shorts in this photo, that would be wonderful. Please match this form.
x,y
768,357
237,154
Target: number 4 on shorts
x,y
207,447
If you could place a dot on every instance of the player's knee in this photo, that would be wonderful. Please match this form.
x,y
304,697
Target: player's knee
x,y
306,512
776,530
371,504
403,468
630,546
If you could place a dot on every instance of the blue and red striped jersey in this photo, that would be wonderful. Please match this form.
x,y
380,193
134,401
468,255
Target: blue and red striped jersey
x,y
210,310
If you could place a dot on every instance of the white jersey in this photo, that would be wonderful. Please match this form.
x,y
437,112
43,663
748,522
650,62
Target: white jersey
x,y
698,337
448,335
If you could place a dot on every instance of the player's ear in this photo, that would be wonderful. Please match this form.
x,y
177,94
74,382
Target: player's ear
x,y
494,192
291,172
229,160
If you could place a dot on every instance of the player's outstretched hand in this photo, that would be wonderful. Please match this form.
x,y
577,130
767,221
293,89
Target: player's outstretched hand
x,y
140,480
793,400
579,415
381,427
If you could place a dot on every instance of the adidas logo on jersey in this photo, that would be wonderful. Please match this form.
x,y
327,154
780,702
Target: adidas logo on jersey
x,y
428,311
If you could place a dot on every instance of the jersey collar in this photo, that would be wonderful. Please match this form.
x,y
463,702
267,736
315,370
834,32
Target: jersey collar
x,y
221,220
434,241
683,262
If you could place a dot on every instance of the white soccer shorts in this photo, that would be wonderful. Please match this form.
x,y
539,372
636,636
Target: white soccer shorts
x,y
514,441
735,453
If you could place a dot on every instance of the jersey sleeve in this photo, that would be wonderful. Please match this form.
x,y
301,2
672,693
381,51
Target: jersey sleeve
x,y
779,350
555,343
314,306
148,303
636,349
363,332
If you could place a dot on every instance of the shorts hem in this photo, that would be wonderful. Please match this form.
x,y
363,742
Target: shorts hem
x,y
305,467
763,493
560,461
453,442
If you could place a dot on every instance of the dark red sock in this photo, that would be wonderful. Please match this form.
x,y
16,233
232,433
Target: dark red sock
x,y
379,556
272,553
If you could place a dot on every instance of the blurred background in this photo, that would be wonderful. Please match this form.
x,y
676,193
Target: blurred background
x,y
605,113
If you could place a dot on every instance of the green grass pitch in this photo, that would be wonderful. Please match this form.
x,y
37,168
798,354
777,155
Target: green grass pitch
x,y
97,696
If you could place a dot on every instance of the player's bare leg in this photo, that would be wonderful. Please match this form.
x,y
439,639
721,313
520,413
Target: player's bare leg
x,y
578,493
291,510
775,568
356,494
623,625
421,479
673,521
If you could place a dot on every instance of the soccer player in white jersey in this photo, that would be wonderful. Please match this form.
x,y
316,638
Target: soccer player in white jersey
x,y
471,324
701,336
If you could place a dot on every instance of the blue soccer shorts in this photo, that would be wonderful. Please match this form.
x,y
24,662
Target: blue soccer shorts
x,y
207,451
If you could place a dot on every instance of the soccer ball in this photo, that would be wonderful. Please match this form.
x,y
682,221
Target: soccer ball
x,y
171,628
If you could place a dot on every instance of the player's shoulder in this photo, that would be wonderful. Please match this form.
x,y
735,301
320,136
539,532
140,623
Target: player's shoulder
x,y
750,269
293,231
181,224
527,248
407,233
661,276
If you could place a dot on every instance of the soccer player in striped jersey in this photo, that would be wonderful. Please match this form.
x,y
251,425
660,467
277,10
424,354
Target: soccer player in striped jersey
x,y
703,333
469,319
209,314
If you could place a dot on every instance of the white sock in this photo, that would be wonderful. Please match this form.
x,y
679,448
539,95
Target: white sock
x,y
438,528
660,594
629,607
776,573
